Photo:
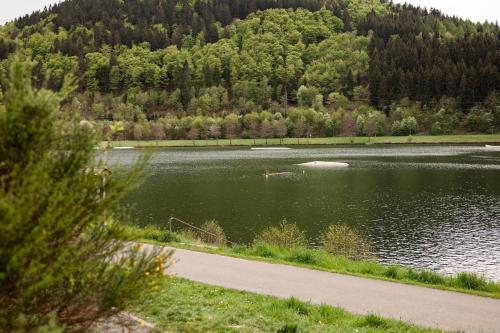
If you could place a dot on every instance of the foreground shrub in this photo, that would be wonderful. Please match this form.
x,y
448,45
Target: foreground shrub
x,y
62,264
341,240
212,233
286,235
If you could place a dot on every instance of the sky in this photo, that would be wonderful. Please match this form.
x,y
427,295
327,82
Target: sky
x,y
477,10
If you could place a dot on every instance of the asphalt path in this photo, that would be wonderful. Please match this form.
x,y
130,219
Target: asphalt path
x,y
413,304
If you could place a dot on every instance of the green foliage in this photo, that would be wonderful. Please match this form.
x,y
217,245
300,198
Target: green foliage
x,y
479,120
471,281
341,240
392,272
150,232
375,321
210,58
298,306
407,44
407,126
358,9
425,276
436,129
306,95
288,328
335,61
57,211
238,60
212,233
338,100
286,235
370,122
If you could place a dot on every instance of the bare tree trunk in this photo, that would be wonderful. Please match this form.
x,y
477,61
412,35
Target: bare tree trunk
x,y
286,95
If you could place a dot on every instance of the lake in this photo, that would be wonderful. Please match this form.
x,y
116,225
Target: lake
x,y
434,207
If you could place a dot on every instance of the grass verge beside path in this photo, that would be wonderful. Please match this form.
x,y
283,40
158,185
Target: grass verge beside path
x,y
318,259
180,305
417,139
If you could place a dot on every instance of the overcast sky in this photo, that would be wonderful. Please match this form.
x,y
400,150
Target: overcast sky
x,y
477,10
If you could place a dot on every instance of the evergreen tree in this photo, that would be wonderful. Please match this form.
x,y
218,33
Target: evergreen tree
x,y
58,235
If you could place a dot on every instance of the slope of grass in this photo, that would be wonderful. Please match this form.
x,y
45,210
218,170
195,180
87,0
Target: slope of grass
x,y
179,305
417,139
322,260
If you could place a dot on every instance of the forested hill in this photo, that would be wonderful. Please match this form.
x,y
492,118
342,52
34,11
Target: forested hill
x,y
163,22
154,69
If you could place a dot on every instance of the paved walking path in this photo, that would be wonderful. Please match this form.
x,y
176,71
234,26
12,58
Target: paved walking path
x,y
419,305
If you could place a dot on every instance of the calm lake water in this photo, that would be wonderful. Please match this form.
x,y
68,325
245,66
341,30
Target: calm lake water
x,y
435,207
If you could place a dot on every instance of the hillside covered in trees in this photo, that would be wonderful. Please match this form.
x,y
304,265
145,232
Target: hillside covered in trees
x,y
171,69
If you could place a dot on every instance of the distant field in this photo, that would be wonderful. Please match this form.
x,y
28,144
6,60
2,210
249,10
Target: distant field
x,y
424,139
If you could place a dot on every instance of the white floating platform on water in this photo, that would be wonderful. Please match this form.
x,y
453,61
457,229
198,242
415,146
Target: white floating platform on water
x,y
492,147
123,148
325,164
267,174
270,148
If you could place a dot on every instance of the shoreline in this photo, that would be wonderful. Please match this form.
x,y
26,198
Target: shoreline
x,y
406,140
317,259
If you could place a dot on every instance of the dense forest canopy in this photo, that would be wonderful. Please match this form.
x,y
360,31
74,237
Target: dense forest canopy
x,y
156,69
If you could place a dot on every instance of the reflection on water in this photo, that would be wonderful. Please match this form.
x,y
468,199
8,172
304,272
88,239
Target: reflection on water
x,y
435,207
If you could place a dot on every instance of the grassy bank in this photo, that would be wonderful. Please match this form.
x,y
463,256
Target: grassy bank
x,y
417,139
178,305
322,260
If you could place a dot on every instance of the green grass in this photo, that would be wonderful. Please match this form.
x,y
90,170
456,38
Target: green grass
x,y
180,305
417,139
322,260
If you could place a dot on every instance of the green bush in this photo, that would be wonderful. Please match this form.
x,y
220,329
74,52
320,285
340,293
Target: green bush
x,y
341,240
471,281
212,233
479,120
286,235
407,126
57,234
436,128
306,95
